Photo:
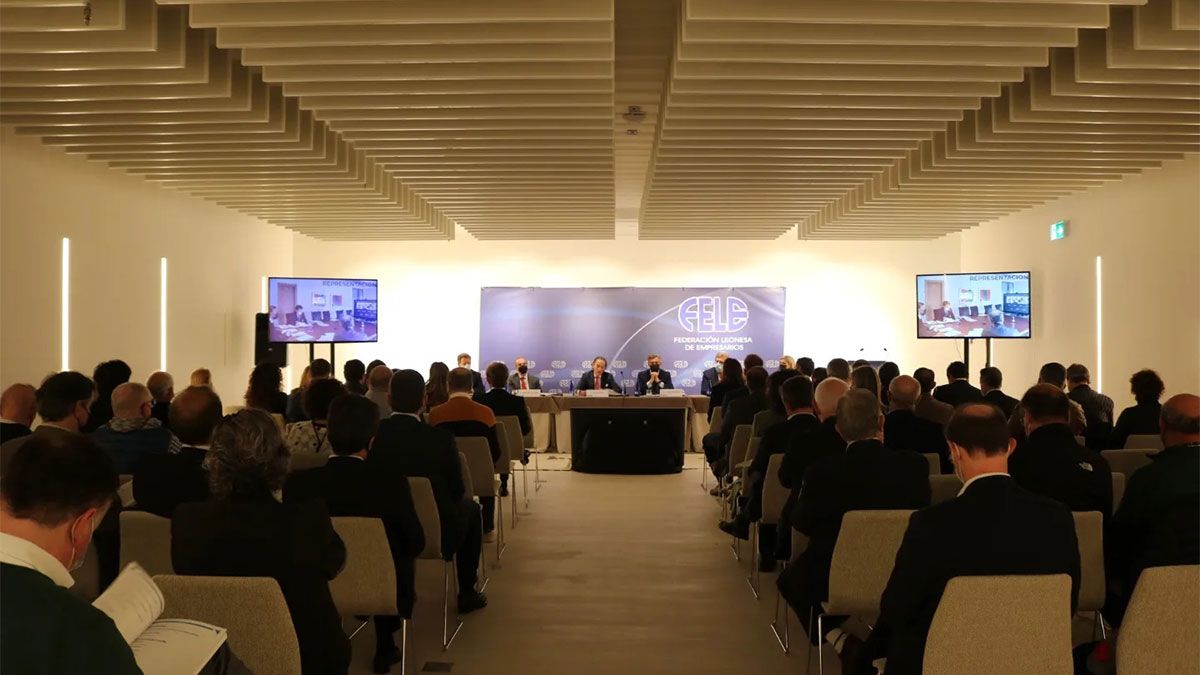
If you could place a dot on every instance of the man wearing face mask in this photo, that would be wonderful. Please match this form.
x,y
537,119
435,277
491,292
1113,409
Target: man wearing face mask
x,y
993,527
712,376
464,361
653,379
522,379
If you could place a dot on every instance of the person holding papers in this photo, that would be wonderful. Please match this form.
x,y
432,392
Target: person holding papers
x,y
653,379
598,377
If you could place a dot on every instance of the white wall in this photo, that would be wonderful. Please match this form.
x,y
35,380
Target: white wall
x,y
1146,228
841,296
120,226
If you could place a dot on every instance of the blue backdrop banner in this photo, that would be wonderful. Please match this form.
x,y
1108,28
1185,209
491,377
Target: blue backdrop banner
x,y
560,330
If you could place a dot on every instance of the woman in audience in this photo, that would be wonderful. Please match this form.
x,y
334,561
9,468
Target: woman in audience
x,y
787,363
312,435
201,377
887,372
732,383
108,376
1147,388
243,531
437,390
865,377
263,391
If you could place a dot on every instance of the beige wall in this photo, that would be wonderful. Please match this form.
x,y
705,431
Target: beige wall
x,y
841,296
1146,228
120,226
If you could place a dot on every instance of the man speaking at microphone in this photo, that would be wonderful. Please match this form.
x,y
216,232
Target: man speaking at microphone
x,y
599,377
653,379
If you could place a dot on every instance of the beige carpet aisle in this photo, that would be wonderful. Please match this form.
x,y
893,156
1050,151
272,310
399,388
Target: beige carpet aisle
x,y
606,574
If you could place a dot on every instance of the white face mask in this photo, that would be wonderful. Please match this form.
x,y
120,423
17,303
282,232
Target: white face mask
x,y
78,558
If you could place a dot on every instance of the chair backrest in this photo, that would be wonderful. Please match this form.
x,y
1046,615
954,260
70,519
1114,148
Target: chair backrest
x,y
1160,633
1144,442
943,487
367,584
146,539
252,609
799,543
739,446
425,505
233,409
863,559
306,460
503,463
1002,624
755,444
774,495
479,464
935,463
1127,461
1089,530
279,421
1118,489
516,442
125,493
714,422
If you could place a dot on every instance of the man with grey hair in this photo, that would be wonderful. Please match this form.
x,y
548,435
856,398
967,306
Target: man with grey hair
x,y
378,381
867,476
903,429
709,378
133,434
162,388
18,407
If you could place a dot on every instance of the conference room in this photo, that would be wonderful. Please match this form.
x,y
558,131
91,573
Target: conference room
x,y
350,336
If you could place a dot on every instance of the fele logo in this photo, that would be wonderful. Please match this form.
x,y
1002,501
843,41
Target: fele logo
x,y
546,374
681,364
689,382
558,364
713,314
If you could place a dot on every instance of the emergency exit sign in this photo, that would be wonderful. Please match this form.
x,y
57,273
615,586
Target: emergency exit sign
x,y
1058,230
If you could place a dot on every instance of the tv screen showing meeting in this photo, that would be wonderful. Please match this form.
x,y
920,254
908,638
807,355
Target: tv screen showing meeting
x,y
973,305
323,310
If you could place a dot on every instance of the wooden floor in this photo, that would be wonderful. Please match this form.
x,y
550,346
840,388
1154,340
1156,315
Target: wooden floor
x,y
606,574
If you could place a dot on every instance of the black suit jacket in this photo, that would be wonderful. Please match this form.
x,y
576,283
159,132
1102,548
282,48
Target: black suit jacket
x,y
407,447
1098,414
957,392
476,383
607,381
295,544
804,450
505,404
723,393
903,430
866,476
643,382
11,430
1001,400
1139,419
162,482
708,380
1051,463
162,412
740,410
994,528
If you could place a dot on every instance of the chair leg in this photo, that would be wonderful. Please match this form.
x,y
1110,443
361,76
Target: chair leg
x,y
512,500
483,576
403,646
752,577
525,485
447,636
820,644
500,543
537,472
784,640
1103,630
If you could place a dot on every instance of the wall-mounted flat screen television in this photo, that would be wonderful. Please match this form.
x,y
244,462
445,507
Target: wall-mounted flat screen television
x,y
974,304
323,310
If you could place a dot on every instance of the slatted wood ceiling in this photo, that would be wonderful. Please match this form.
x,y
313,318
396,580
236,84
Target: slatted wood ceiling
x,y
552,119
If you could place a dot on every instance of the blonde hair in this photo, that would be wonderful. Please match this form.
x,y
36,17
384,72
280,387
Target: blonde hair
x,y
201,377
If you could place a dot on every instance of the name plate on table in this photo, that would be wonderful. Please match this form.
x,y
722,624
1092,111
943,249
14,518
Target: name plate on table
x,y
672,393
602,393
527,392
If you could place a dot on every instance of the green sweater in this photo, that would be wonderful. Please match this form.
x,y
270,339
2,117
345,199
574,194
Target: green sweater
x,y
45,630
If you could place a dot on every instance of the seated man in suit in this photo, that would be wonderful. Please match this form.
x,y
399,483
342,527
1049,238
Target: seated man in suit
x,y
163,482
740,410
162,388
775,412
133,433
1097,408
903,430
1050,462
599,377
504,404
462,416
927,406
406,447
797,394
866,476
994,527
63,402
1053,373
349,487
378,379
804,450
653,379
298,315
958,390
18,407
711,376
1157,521
995,326
990,381
947,312
464,361
523,379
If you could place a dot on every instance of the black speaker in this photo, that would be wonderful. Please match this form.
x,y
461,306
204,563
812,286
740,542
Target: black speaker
x,y
266,351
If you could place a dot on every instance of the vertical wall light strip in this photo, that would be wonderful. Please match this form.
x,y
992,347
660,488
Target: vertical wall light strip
x,y
262,302
162,314
1099,326
66,304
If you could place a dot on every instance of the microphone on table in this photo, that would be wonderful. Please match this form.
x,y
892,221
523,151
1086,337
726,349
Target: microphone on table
x,y
621,384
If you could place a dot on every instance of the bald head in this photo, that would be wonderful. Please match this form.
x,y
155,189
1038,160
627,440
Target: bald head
x,y
132,401
19,403
379,378
828,393
903,392
1180,420
162,386
194,414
